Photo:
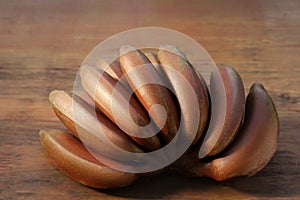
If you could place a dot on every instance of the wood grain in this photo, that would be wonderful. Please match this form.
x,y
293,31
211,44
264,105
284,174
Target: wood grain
x,y
42,43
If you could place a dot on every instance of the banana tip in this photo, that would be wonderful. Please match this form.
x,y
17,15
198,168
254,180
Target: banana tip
x,y
258,85
42,134
172,49
85,69
126,48
52,95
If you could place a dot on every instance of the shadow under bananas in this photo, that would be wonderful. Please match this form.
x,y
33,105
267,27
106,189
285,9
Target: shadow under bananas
x,y
166,184
263,184
280,178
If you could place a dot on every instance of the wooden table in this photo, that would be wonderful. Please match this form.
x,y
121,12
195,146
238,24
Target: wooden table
x,y
42,44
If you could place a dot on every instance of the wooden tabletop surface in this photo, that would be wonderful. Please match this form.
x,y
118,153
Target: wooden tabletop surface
x,y
42,44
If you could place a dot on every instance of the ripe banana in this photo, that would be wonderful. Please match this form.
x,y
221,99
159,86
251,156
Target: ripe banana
x,y
254,145
151,93
85,125
70,156
228,105
101,88
174,62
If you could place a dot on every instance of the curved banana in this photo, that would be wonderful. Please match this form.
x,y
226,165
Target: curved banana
x,y
255,144
86,125
70,156
172,59
100,87
140,70
222,131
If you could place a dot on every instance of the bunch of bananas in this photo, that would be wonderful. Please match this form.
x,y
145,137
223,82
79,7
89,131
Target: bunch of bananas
x,y
229,135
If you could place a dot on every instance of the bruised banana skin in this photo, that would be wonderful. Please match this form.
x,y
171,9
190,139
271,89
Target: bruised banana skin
x,y
71,157
63,107
171,58
150,94
100,88
234,102
254,145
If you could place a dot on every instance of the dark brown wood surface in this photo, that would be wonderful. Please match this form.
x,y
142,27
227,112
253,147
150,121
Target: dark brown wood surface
x,y
42,44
